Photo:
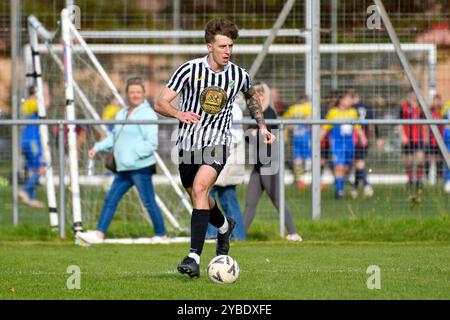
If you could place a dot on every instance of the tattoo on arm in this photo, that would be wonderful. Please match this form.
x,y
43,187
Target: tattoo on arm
x,y
254,106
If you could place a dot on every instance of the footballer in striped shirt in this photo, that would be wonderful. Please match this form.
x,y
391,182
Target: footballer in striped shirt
x,y
207,87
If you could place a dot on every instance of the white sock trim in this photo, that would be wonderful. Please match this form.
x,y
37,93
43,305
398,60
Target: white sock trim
x,y
194,256
224,227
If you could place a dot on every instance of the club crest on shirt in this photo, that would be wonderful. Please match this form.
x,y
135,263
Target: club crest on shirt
x,y
231,85
213,99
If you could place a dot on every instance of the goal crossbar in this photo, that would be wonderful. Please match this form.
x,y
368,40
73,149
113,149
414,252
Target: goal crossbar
x,y
248,48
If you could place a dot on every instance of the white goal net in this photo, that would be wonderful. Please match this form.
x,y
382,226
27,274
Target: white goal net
x,y
372,69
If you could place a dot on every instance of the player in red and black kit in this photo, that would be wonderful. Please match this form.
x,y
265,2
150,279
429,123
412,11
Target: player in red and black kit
x,y
434,163
414,139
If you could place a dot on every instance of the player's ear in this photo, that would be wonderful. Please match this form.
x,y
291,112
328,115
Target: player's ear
x,y
210,47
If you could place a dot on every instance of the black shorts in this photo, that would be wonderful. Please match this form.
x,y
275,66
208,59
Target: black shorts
x,y
325,153
413,147
361,152
191,161
433,150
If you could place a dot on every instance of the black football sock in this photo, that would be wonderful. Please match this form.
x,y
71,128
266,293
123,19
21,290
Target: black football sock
x,y
199,224
216,217
440,169
360,177
364,177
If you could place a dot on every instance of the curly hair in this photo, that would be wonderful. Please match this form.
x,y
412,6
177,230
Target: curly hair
x,y
220,26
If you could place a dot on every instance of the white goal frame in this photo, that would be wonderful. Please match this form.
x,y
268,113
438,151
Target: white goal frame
x,y
275,49
36,29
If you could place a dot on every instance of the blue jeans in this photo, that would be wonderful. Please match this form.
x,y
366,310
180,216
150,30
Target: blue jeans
x,y
32,182
229,204
123,181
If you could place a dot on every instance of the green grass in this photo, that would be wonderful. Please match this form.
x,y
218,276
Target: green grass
x,y
375,229
409,241
269,270
388,216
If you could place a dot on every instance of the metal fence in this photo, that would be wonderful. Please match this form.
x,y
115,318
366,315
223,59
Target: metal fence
x,y
385,174
376,75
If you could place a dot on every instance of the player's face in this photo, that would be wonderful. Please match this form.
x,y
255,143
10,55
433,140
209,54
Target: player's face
x,y
135,95
346,102
413,99
221,49
437,101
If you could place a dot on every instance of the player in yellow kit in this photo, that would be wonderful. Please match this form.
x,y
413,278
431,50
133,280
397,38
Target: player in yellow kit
x,y
301,139
342,140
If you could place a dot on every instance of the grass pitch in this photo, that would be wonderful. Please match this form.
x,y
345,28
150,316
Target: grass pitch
x,y
269,270
409,241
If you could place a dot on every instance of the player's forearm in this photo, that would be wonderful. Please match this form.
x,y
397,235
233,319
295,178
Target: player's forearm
x,y
361,134
401,131
166,109
255,108
323,133
427,135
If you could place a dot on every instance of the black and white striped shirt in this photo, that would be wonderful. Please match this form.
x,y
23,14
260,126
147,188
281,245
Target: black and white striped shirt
x,y
199,84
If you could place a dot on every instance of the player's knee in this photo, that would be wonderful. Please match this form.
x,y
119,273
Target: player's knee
x,y
339,170
199,190
360,165
421,157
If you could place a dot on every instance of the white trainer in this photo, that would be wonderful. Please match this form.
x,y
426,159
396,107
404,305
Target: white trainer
x,y
36,203
447,186
24,197
89,237
353,193
368,191
294,237
160,239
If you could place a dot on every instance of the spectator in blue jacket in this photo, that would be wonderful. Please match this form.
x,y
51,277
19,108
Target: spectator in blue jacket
x,y
32,151
134,147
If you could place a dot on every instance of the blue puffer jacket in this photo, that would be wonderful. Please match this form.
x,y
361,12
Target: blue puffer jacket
x,y
134,145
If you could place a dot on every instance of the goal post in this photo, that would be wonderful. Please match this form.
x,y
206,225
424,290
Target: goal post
x,y
70,114
36,75
116,94
88,109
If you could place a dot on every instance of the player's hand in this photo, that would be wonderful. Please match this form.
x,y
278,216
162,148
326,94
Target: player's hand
x,y
364,141
92,153
405,140
269,138
380,143
41,171
188,117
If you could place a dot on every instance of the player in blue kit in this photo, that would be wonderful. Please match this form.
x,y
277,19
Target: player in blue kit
x,y
342,140
301,139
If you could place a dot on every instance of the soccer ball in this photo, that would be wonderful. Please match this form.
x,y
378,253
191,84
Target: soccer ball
x,y
223,269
